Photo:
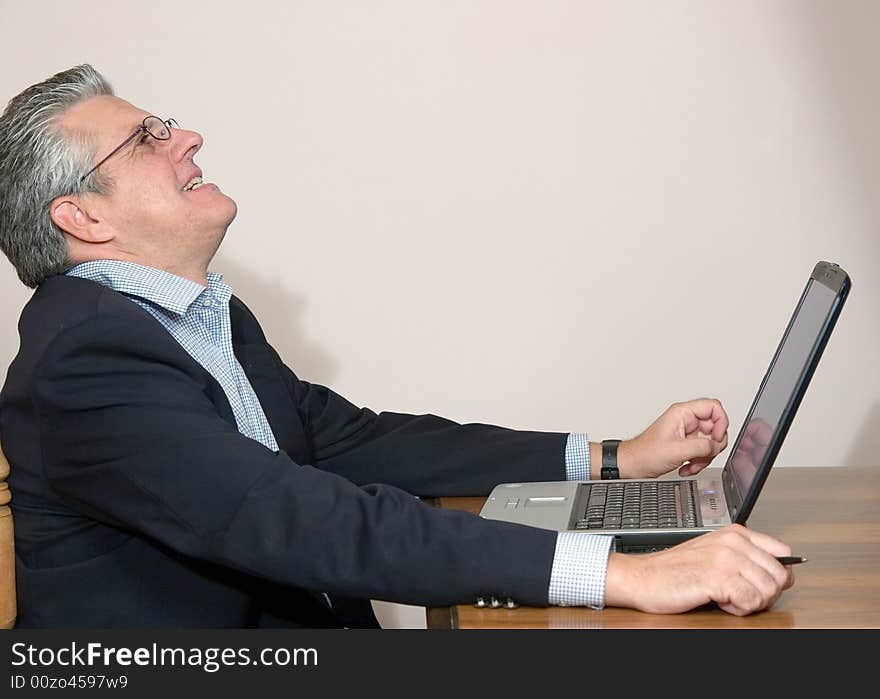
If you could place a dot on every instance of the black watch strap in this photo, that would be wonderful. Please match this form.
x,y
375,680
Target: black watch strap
x,y
609,459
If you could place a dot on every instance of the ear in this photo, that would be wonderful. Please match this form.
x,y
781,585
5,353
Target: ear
x,y
72,216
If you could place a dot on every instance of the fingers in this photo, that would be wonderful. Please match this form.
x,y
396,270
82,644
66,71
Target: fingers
x,y
779,574
751,590
760,579
768,576
772,546
719,432
696,464
740,597
704,417
696,449
712,429
706,427
726,567
694,431
708,409
692,468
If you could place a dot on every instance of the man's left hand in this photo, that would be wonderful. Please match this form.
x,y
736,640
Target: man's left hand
x,y
687,436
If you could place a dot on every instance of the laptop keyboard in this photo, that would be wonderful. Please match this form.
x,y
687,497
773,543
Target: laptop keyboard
x,y
638,505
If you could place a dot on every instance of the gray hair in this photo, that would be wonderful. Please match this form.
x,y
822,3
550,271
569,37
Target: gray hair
x,y
40,161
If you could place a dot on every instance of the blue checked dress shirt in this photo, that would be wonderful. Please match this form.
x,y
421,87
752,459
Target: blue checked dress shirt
x,y
198,318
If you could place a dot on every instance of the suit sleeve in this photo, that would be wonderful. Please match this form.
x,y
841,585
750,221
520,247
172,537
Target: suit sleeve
x,y
422,454
130,438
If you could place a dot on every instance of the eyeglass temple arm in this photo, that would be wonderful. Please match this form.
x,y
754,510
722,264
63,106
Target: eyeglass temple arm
x,y
118,148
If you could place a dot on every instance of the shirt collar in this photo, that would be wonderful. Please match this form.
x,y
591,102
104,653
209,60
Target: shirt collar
x,y
220,289
157,286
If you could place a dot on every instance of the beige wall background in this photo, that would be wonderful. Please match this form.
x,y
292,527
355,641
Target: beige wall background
x,y
546,215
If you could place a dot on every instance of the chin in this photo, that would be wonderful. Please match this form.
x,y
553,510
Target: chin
x,y
230,210
223,214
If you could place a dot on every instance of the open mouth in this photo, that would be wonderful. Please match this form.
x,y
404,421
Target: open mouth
x,y
194,183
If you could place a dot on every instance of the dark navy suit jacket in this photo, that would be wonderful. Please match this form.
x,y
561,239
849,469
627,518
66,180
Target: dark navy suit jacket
x,y
137,503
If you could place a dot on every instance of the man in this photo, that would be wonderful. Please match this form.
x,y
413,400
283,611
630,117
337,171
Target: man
x,y
169,470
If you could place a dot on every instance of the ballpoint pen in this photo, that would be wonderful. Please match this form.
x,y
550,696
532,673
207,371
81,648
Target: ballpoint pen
x,y
791,560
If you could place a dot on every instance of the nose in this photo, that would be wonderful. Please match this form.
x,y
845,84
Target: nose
x,y
185,144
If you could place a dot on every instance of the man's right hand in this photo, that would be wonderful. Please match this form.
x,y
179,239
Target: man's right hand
x,y
734,567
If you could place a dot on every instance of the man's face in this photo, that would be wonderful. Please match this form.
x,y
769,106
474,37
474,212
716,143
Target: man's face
x,y
155,221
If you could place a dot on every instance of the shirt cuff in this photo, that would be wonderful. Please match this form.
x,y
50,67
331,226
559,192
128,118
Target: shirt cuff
x,y
577,457
580,564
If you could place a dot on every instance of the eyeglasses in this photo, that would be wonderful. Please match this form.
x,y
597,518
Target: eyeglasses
x,y
152,125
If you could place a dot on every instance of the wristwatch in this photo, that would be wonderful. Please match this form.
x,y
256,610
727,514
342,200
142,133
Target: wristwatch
x,y
609,459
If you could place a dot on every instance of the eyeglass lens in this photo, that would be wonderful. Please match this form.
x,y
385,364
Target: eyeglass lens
x,y
159,129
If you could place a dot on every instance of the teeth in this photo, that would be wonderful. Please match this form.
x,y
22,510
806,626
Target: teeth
x,y
193,184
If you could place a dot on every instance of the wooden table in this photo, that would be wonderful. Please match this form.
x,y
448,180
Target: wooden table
x,y
839,587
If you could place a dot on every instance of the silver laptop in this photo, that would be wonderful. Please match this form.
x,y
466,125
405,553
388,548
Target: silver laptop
x,y
651,514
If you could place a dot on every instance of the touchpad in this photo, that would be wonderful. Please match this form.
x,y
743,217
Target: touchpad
x,y
546,501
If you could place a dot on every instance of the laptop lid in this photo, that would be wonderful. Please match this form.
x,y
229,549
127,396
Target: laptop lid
x,y
783,388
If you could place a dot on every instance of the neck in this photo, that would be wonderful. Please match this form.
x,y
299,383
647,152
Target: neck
x,y
197,273
199,276
192,266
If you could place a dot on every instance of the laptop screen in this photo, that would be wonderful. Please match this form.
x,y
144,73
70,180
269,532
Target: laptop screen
x,y
778,391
